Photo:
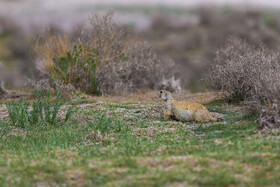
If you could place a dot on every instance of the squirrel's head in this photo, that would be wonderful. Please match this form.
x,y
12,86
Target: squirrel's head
x,y
165,95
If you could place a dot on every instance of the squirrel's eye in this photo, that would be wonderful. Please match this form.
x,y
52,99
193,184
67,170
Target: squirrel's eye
x,y
160,91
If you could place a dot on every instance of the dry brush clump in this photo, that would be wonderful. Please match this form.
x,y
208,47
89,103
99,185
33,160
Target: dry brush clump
x,y
270,117
270,114
245,72
249,75
103,57
46,83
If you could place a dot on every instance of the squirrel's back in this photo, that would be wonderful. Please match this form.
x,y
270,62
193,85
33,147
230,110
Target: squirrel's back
x,y
191,106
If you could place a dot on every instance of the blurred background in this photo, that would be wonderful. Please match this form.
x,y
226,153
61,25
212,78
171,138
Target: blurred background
x,y
187,31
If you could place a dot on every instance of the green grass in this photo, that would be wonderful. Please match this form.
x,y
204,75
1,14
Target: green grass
x,y
112,144
43,110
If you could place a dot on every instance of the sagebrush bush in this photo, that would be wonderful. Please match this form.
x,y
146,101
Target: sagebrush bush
x,y
104,57
270,113
270,117
50,85
249,74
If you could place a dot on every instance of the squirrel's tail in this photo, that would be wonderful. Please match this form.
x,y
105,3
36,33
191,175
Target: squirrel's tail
x,y
217,119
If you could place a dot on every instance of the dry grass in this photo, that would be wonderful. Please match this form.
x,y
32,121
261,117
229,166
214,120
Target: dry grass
x,y
150,96
53,46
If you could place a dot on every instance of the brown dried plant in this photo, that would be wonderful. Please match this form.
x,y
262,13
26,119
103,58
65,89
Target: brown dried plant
x,y
249,75
245,72
103,57
49,47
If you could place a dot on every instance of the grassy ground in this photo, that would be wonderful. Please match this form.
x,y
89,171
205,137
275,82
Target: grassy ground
x,y
119,144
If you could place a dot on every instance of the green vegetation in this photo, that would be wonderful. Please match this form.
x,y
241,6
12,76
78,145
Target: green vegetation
x,y
68,68
113,144
43,111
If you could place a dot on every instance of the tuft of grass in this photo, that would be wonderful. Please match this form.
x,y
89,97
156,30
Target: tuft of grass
x,y
105,125
42,110
18,113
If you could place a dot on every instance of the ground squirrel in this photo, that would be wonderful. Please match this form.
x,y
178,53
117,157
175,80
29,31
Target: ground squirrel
x,y
183,110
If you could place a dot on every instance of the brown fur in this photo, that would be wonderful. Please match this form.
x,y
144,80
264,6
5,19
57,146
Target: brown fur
x,y
183,110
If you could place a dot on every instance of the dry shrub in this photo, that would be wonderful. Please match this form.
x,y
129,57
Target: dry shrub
x,y
102,57
141,68
51,86
270,114
249,74
173,85
270,117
